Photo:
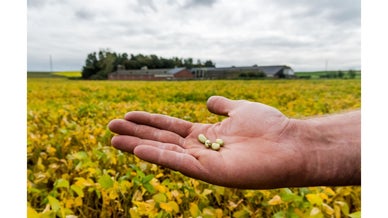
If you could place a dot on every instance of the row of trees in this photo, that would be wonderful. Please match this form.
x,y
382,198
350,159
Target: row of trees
x,y
99,64
340,74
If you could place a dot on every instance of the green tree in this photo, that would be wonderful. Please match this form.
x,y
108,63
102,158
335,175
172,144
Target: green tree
x,y
188,62
91,66
99,65
352,74
209,63
340,74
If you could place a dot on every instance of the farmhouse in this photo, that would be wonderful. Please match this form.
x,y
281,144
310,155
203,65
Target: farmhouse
x,y
151,74
276,71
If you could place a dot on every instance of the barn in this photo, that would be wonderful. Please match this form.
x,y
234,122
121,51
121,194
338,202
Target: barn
x,y
275,71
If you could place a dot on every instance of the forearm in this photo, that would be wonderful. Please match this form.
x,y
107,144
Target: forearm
x,y
332,144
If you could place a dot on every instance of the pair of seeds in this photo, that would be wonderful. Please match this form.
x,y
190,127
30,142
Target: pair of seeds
x,y
208,144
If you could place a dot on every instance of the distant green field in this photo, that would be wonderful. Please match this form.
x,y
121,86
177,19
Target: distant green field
x,y
327,74
71,74
40,75
68,74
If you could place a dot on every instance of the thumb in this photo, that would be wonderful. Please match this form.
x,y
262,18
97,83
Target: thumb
x,y
221,105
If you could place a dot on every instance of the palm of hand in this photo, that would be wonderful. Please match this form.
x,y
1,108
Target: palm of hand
x,y
251,156
252,147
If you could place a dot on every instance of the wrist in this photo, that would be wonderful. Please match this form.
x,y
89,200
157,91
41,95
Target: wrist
x,y
331,149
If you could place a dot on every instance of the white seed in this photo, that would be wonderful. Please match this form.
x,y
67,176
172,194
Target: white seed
x,y
208,143
215,146
202,138
220,141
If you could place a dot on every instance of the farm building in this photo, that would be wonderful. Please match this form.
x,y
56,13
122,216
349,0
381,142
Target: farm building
x,y
151,74
276,71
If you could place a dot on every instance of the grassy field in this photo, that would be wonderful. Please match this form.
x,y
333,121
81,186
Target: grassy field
x,y
66,74
73,170
327,74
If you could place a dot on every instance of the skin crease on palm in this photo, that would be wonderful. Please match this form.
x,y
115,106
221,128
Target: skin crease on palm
x,y
262,148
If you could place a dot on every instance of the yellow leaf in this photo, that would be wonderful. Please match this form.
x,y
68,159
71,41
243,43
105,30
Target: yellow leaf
x,y
275,200
133,213
31,213
112,194
315,211
206,192
69,203
169,207
329,191
159,175
144,207
266,193
208,212
125,186
314,199
323,196
328,210
78,201
194,210
82,182
177,195
51,151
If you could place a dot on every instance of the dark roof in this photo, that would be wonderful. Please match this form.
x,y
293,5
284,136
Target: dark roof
x,y
175,70
269,70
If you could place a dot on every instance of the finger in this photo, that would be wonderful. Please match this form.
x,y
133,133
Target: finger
x,y
221,105
172,124
175,160
124,127
129,143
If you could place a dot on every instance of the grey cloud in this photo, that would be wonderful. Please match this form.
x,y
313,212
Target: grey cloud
x,y
333,10
42,3
197,3
84,14
35,3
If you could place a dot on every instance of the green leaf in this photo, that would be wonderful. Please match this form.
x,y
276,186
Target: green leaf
x,y
355,214
105,181
159,197
77,190
241,214
62,183
149,188
288,196
81,155
54,203
147,178
280,214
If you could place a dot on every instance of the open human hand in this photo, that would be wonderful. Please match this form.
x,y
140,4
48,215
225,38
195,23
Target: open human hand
x,y
257,153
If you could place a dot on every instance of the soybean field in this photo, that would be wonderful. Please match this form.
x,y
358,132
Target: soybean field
x,y
73,171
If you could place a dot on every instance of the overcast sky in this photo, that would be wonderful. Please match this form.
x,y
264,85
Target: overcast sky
x,y
304,34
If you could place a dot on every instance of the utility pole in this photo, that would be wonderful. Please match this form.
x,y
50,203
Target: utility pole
x,y
51,64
